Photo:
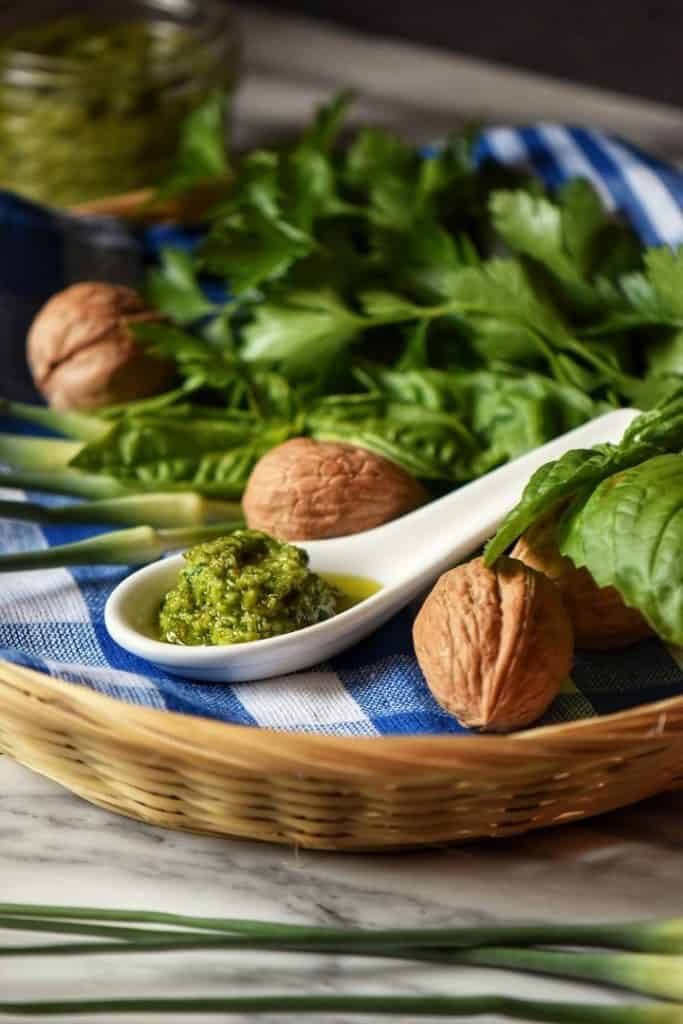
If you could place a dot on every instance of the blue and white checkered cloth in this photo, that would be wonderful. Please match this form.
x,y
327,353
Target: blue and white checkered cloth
x,y
53,620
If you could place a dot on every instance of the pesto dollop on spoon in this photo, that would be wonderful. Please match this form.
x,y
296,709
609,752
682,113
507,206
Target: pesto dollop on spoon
x,y
245,586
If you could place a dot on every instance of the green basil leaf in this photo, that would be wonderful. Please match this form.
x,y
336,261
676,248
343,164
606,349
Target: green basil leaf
x,y
211,455
629,534
557,481
661,427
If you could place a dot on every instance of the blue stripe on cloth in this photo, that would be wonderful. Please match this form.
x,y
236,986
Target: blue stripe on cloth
x,y
205,699
54,639
543,158
571,162
612,174
652,191
503,146
53,620
670,176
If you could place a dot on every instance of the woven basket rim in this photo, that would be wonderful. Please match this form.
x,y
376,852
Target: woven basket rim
x,y
644,723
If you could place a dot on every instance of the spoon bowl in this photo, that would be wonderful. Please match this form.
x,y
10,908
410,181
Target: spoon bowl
x,y
404,557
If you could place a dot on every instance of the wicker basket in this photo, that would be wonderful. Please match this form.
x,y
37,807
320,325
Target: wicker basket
x,y
319,792
327,793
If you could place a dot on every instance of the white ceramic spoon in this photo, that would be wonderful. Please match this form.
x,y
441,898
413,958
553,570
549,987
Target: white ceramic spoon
x,y
404,556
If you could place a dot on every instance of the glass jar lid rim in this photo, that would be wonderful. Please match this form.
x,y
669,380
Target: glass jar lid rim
x,y
215,29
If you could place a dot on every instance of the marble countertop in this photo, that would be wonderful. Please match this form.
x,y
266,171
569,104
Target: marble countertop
x,y
54,848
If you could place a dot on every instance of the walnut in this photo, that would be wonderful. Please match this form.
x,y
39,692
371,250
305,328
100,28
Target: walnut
x,y
81,353
599,616
494,644
305,490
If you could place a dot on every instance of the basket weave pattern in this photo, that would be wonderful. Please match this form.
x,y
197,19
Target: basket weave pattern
x,y
322,792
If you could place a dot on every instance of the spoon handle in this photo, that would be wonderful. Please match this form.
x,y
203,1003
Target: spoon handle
x,y
421,545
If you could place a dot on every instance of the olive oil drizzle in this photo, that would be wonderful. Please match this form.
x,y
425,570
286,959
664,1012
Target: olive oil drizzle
x,y
353,589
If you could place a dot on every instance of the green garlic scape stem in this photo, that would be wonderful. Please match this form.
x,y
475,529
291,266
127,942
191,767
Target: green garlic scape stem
x,y
162,510
136,546
658,936
41,453
648,974
65,481
103,931
410,1006
78,425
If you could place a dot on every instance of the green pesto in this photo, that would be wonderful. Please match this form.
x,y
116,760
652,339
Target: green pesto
x,y
97,109
245,586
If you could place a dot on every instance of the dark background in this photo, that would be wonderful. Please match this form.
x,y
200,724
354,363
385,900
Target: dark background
x,y
624,45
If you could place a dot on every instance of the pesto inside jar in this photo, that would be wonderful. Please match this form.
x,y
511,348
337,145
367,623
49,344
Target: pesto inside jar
x,y
91,106
241,587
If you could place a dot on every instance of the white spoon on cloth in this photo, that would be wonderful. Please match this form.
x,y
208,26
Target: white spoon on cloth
x,y
404,556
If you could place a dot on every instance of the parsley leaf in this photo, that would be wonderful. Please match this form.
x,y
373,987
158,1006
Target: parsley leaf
x,y
202,153
175,290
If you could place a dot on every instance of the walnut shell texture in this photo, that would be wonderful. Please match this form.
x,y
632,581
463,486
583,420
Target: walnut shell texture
x,y
494,644
80,351
305,490
599,616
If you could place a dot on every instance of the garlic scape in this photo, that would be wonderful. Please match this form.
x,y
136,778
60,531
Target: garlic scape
x,y
135,546
410,1007
161,510
45,454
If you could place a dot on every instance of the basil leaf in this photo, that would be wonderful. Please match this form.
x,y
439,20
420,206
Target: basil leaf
x,y
211,455
661,427
629,534
573,473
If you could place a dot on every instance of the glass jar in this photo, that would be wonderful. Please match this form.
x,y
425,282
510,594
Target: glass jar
x,y
91,104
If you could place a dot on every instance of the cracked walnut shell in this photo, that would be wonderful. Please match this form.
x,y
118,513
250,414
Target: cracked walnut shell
x,y
600,618
81,353
494,644
306,490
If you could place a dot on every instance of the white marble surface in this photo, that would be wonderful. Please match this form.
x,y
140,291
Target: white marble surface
x,y
56,848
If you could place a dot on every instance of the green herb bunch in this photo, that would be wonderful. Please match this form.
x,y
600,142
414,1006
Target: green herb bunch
x,y
445,315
